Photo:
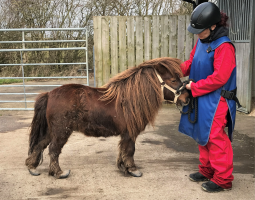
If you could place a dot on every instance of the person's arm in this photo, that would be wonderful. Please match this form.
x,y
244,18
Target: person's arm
x,y
185,66
224,63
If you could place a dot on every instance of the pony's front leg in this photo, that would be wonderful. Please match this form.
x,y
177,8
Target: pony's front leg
x,y
126,156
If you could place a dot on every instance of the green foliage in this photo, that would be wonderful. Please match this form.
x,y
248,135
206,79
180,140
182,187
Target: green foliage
x,y
9,81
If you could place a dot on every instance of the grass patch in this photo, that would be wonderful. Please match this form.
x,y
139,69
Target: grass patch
x,y
9,81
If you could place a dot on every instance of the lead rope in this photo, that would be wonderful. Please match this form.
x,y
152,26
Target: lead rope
x,y
192,104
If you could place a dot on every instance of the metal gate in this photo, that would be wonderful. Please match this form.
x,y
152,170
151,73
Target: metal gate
x,y
24,49
241,32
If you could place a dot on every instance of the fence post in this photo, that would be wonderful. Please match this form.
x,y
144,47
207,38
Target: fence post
x,y
105,49
114,46
181,37
155,37
147,38
122,44
164,36
22,67
173,36
130,42
98,50
139,40
87,60
94,67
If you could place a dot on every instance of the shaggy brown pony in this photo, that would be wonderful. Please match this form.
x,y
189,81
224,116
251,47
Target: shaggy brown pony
x,y
124,107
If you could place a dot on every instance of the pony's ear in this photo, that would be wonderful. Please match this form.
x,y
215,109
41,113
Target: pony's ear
x,y
161,69
178,75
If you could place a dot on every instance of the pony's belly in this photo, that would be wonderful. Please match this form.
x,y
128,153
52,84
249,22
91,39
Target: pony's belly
x,y
98,125
96,130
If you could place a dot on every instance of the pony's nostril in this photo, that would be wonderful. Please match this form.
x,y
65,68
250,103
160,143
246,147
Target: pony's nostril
x,y
188,101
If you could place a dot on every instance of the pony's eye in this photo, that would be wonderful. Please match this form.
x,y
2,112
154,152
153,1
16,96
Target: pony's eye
x,y
173,81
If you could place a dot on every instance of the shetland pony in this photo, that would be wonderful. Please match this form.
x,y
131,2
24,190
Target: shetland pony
x,y
124,107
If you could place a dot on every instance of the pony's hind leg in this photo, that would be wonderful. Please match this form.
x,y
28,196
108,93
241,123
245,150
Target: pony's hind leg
x,y
126,156
36,155
55,148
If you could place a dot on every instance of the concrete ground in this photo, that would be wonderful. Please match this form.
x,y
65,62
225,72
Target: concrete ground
x,y
165,156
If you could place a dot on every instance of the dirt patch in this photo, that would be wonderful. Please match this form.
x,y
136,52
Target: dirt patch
x,y
11,123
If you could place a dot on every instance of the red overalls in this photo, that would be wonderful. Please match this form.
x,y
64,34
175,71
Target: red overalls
x,y
216,156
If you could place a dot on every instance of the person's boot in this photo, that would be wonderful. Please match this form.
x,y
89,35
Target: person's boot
x,y
212,187
197,177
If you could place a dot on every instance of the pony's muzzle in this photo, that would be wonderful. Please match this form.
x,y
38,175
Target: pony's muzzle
x,y
186,103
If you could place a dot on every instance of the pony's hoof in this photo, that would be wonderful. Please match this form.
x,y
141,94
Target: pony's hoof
x,y
122,168
34,172
135,173
65,174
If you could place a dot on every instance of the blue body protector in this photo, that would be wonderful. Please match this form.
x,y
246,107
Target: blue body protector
x,y
202,66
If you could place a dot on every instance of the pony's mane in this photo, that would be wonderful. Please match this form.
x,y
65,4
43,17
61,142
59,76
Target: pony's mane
x,y
137,91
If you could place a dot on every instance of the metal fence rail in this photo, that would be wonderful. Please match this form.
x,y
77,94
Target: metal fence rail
x,y
25,101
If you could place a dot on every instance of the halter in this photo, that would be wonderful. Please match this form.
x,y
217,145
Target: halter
x,y
177,92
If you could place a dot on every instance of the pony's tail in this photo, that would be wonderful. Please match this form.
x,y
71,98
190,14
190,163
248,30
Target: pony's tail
x,y
39,124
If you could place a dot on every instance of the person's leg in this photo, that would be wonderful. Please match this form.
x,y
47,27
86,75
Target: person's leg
x,y
205,171
220,149
205,166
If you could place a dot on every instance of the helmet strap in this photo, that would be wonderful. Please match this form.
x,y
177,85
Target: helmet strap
x,y
211,34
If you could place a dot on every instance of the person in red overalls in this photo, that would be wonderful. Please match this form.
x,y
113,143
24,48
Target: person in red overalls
x,y
212,65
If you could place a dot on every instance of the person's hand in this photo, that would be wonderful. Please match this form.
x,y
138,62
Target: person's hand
x,y
188,86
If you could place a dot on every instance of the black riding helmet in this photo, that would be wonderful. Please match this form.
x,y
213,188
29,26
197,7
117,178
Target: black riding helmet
x,y
204,16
